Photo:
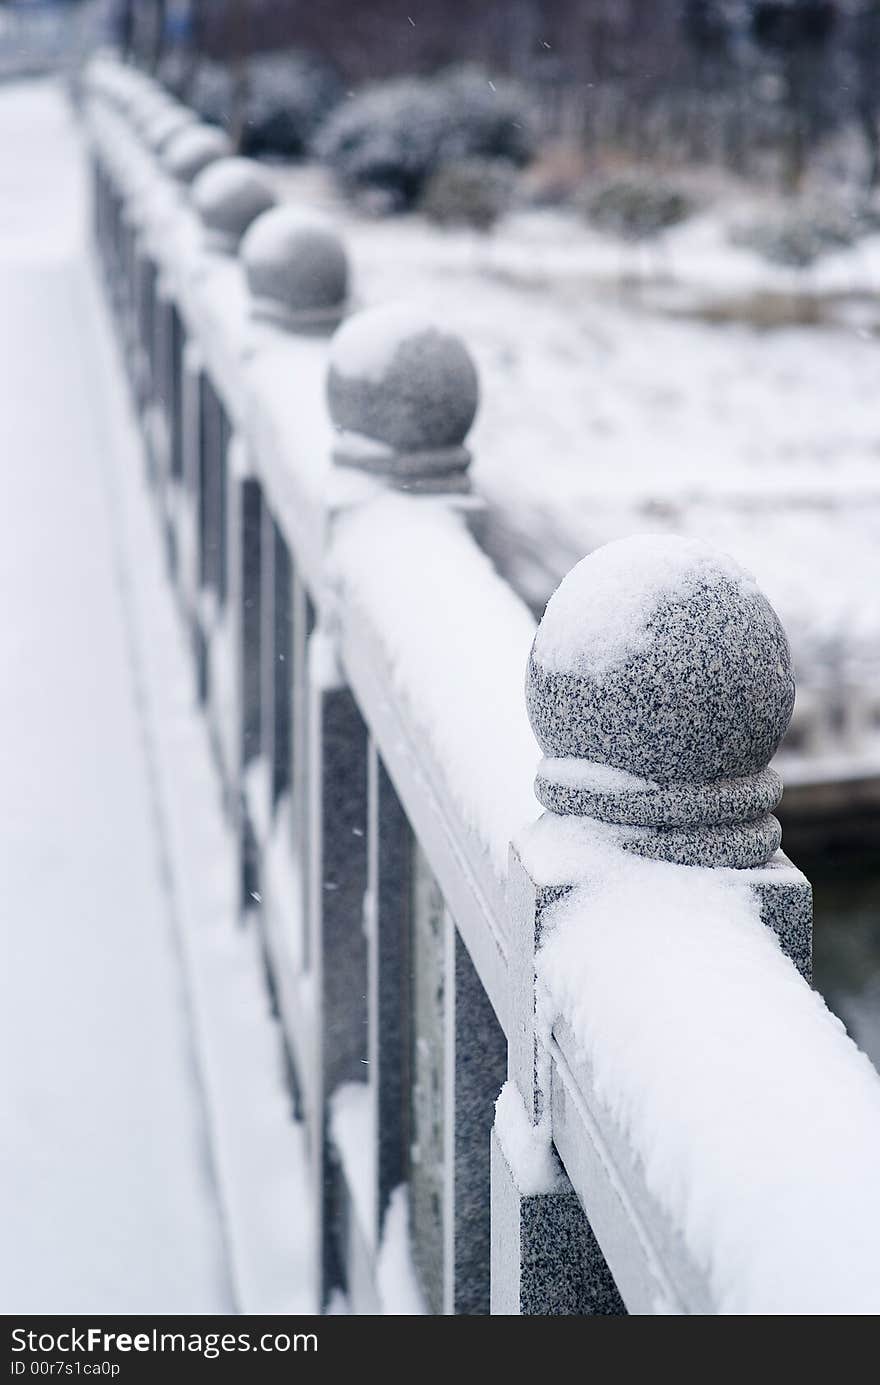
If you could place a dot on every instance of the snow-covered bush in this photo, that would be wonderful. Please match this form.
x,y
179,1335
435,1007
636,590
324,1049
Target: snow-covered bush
x,y
288,96
636,207
391,137
484,118
797,238
283,99
469,192
555,176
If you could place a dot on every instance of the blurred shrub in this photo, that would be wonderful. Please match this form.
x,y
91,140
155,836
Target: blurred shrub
x,y
469,192
798,238
284,98
556,175
636,208
288,96
484,118
391,137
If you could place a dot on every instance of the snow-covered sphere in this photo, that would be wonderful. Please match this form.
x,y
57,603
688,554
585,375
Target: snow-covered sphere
x,y
167,124
229,195
660,656
193,148
146,108
399,379
296,268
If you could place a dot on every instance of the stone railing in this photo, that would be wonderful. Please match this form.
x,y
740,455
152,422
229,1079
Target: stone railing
x,y
587,1070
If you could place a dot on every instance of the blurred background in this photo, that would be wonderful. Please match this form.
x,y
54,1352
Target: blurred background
x,y
657,225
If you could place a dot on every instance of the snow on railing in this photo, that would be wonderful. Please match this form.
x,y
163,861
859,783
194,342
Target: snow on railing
x,y
682,1127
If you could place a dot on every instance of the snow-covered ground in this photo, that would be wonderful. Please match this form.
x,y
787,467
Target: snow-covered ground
x,y
140,1075
606,409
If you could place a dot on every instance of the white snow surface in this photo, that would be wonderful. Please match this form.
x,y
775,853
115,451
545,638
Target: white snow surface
x,y
365,346
397,1281
457,641
527,1148
598,618
590,775
755,1119
352,1129
149,1163
107,1199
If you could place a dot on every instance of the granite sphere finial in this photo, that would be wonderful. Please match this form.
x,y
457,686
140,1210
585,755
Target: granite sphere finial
x,y
168,123
192,149
228,195
659,687
296,268
148,106
403,392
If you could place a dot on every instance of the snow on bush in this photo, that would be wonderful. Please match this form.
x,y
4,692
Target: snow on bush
x,y
469,192
800,236
284,98
288,96
390,137
636,208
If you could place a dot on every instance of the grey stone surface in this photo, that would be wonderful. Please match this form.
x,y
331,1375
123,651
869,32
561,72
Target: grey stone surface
x,y
786,900
296,268
663,805
698,707
545,1258
480,1058
739,844
229,195
192,149
390,886
403,393
431,1005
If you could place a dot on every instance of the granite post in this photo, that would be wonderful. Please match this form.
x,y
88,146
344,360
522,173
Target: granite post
x,y
659,687
403,392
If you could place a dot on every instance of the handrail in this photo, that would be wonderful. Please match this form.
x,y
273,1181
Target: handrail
x,y
640,779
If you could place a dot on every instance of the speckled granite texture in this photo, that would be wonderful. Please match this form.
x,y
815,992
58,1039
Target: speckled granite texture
x,y
228,195
296,269
410,417
698,708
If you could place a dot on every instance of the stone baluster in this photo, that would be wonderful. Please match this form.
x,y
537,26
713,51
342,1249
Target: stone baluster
x,y
297,273
659,687
402,393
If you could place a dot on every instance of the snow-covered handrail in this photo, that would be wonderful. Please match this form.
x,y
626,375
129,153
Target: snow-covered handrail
x,y
636,968
698,1091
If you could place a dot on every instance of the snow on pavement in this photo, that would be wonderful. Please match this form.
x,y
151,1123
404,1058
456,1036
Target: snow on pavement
x,y
107,1197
